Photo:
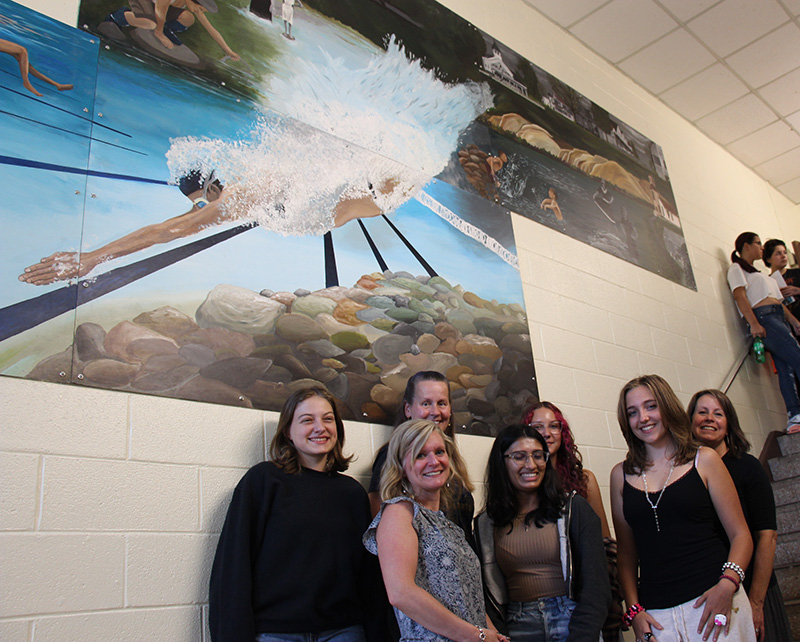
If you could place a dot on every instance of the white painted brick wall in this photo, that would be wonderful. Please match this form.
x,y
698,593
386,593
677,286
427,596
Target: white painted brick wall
x,y
110,503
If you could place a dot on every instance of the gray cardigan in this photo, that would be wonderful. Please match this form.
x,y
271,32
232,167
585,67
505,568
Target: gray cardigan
x,y
583,562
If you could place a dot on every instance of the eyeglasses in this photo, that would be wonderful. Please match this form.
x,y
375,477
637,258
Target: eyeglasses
x,y
520,457
553,427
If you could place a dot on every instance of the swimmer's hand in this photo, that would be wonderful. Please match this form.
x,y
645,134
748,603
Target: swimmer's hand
x,y
59,266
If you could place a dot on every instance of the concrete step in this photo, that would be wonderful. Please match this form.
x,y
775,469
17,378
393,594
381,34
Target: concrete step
x,y
789,444
789,580
785,467
788,518
786,491
787,552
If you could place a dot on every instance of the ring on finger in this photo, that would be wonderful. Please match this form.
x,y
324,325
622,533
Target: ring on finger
x,y
720,619
647,636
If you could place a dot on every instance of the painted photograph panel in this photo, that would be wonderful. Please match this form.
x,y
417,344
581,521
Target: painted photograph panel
x,y
47,82
266,213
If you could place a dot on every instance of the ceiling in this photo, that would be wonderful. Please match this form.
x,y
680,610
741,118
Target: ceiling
x,y
730,67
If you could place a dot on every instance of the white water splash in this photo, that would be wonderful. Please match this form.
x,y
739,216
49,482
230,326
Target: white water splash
x,y
356,130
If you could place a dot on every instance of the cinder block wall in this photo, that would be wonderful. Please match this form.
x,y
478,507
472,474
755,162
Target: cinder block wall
x,y
110,503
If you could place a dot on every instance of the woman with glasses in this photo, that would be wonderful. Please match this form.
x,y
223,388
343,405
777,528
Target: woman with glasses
x,y
541,550
550,422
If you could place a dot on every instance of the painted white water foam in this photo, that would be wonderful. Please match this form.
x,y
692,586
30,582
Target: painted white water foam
x,y
352,132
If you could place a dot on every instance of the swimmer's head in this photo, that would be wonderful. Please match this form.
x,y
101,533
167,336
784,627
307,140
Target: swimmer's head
x,y
551,192
200,188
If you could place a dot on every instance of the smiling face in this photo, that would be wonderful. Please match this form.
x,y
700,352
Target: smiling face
x,y
313,432
431,402
429,471
644,417
545,422
709,423
526,475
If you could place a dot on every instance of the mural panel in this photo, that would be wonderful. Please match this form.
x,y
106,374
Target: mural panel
x,y
271,193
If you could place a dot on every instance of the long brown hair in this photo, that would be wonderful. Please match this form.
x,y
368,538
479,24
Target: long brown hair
x,y
673,418
282,451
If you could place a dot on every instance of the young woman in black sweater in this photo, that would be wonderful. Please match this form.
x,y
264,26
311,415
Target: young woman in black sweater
x,y
289,560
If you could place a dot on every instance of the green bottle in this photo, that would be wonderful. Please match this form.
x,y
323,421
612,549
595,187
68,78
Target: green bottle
x,y
758,350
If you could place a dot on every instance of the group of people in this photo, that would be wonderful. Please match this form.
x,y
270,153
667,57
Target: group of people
x,y
762,302
305,555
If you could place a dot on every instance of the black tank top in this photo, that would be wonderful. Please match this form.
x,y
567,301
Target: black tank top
x,y
684,559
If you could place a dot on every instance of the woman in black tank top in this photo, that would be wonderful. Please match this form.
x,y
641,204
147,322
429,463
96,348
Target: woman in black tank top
x,y
666,497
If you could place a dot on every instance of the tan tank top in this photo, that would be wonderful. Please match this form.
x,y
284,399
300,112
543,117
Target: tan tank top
x,y
530,561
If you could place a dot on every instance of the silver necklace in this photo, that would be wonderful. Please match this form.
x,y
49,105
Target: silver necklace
x,y
660,495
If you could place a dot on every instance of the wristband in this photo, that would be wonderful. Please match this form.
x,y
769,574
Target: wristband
x,y
735,568
729,578
631,613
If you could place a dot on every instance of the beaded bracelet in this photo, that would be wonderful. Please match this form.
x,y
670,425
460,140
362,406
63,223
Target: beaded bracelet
x,y
728,577
735,568
631,613
481,634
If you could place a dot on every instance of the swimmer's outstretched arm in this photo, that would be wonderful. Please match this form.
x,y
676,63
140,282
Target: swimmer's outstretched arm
x,y
216,35
61,266
21,54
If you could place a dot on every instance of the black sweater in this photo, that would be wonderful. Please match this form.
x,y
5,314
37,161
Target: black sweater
x,y
290,559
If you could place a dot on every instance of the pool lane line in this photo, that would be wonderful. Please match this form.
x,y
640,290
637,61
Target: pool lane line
x,y
51,167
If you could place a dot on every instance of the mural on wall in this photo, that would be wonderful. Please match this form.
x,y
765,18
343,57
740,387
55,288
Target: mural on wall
x,y
264,215
233,200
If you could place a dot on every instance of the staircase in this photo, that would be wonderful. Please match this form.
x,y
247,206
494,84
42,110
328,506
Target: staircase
x,y
786,486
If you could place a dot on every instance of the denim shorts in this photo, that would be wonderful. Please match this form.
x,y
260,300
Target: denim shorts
x,y
347,634
545,620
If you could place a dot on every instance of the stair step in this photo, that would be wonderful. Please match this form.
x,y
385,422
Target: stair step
x,y
788,518
786,491
787,551
785,467
790,444
789,580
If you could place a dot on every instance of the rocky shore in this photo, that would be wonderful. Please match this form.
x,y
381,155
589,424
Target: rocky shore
x,y
253,349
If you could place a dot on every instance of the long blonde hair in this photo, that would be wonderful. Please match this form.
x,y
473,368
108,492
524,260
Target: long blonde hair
x,y
407,440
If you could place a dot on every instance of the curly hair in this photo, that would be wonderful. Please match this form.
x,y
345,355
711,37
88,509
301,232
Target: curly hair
x,y
673,418
502,503
282,451
569,463
407,440
735,438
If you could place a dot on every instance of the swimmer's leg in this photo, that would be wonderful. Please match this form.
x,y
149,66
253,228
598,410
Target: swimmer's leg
x,y
126,18
21,55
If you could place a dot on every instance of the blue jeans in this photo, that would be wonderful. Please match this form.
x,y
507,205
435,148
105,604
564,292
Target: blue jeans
x,y
545,620
785,352
347,634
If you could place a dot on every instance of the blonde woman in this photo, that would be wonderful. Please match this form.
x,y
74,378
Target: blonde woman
x,y
432,576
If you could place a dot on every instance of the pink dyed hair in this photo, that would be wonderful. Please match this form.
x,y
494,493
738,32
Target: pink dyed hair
x,y
570,465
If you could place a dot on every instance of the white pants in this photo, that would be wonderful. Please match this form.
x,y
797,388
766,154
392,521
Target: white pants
x,y
680,622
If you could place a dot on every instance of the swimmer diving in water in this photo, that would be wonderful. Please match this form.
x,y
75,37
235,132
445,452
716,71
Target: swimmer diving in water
x,y
208,196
